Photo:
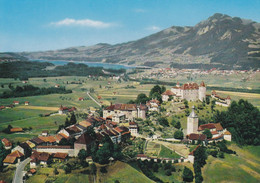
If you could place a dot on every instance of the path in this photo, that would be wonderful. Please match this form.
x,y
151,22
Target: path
x,y
18,176
94,99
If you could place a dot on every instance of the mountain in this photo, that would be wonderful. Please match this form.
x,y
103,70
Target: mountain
x,y
219,41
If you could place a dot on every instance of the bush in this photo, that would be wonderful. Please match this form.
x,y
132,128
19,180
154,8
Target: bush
x,y
168,172
178,134
103,170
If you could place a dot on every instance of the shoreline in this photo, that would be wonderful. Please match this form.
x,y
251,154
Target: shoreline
x,y
73,61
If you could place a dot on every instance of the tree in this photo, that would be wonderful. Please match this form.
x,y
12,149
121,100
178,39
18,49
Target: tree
x,y
213,104
141,98
67,123
163,89
178,134
242,120
2,155
67,169
93,169
163,121
168,172
82,155
207,100
103,170
177,125
186,103
55,171
187,175
198,178
207,133
73,119
155,89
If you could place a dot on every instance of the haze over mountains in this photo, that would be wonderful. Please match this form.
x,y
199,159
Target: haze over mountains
x,y
221,41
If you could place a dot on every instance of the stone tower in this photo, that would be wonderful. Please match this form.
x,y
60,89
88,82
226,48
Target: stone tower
x,y
202,91
192,122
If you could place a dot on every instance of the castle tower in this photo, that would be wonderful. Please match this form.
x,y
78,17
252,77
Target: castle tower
x,y
202,91
192,122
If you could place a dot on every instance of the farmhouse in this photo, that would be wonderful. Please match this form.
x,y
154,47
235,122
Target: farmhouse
x,y
16,102
81,99
64,110
13,158
131,111
60,157
15,130
190,91
26,103
7,144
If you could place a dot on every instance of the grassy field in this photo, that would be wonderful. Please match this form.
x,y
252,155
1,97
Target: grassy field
x,y
123,173
167,153
242,168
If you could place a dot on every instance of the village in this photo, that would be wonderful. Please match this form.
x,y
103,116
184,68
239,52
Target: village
x,y
121,123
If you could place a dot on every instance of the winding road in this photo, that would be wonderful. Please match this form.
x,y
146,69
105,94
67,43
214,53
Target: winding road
x,y
18,176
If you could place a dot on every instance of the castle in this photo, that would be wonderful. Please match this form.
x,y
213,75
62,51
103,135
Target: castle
x,y
190,91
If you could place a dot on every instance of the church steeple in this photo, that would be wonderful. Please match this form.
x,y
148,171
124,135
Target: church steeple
x,y
193,114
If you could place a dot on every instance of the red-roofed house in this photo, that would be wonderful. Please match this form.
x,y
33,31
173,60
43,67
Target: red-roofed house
x,y
167,94
16,102
13,158
7,143
26,103
81,99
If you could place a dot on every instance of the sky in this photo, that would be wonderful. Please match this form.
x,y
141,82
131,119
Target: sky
x,y
38,25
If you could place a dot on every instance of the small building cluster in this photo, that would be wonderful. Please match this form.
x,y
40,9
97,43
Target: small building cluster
x,y
128,112
221,100
195,132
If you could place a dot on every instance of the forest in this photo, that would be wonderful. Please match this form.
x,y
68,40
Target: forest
x,y
28,69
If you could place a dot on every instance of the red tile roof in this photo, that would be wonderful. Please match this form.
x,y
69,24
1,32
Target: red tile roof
x,y
202,84
6,142
194,136
16,154
208,126
85,138
227,133
168,92
60,155
214,132
32,170
190,86
9,159
16,130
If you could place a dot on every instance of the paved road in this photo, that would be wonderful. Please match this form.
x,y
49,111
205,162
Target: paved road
x,y
18,176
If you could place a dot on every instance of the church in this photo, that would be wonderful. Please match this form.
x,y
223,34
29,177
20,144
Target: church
x,y
195,132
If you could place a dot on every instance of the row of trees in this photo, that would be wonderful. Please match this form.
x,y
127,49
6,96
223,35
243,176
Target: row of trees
x,y
155,93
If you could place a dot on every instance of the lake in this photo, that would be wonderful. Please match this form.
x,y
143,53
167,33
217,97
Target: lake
x,y
90,64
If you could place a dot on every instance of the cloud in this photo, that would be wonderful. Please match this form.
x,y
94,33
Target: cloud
x,y
82,22
140,10
154,28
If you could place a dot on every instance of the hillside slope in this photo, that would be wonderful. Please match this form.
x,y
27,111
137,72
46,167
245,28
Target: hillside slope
x,y
220,40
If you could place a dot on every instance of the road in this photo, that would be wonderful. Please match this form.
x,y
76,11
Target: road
x,y
94,99
18,176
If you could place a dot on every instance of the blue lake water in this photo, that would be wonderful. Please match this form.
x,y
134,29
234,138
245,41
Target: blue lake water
x,y
90,64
